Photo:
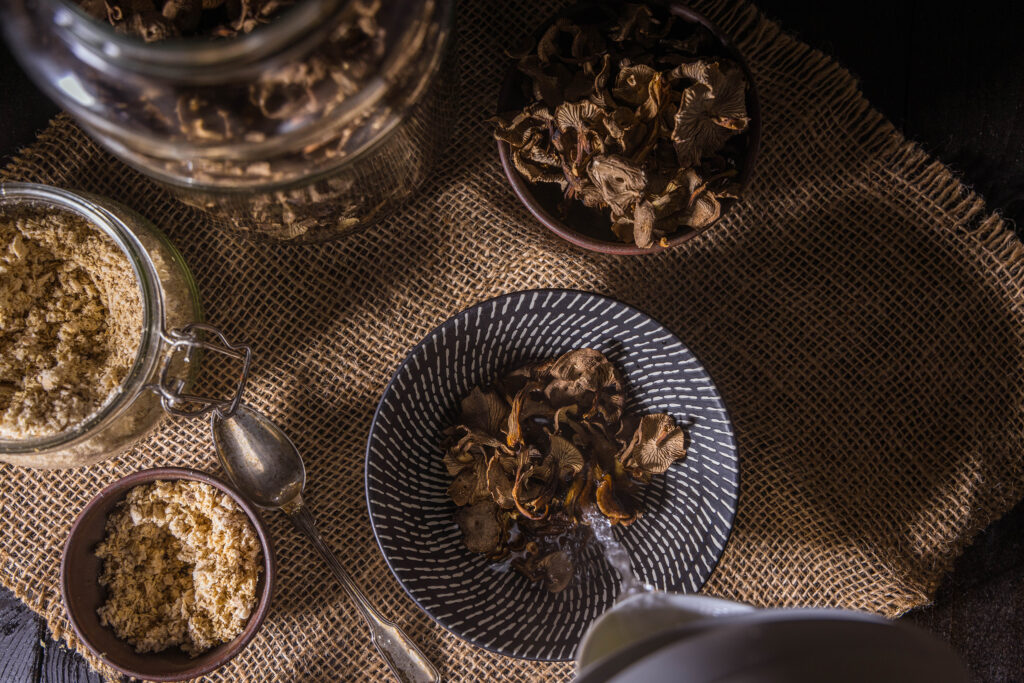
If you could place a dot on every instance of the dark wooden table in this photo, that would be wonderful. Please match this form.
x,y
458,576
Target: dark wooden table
x,y
952,77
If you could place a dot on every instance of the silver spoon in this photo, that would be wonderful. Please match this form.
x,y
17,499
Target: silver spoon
x,y
267,468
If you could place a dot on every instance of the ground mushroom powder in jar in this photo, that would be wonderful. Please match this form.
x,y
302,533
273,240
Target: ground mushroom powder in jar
x,y
180,564
70,322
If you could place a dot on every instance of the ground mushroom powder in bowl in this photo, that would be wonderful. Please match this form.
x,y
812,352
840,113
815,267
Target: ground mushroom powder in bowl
x,y
70,322
181,563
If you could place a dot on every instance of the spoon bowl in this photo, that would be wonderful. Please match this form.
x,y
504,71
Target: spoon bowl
x,y
259,458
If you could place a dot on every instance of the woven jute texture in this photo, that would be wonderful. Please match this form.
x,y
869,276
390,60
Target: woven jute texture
x,y
860,313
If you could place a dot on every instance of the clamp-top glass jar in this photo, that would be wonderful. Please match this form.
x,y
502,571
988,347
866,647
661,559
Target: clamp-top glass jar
x,y
313,125
169,340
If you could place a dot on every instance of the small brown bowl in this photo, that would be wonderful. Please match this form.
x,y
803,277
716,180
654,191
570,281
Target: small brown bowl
x,y
83,595
591,228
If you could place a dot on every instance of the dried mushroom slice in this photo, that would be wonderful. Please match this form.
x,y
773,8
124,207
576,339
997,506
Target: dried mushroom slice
x,y
602,74
534,172
557,570
580,375
564,416
619,180
579,117
657,443
704,210
636,22
529,489
580,136
688,200
579,495
517,129
481,529
152,26
200,120
643,225
185,14
484,411
632,85
593,439
526,415
614,501
470,485
568,458
709,113
499,485
694,70
577,364
292,91
537,154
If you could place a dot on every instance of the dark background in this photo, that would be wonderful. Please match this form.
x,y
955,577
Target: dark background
x,y
951,76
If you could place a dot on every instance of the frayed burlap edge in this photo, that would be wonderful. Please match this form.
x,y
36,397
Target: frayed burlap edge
x,y
931,180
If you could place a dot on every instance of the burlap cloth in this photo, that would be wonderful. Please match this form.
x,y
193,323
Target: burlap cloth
x,y
860,313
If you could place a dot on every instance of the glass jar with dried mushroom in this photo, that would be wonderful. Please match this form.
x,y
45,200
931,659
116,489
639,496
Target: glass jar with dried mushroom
x,y
636,111
88,289
544,447
286,120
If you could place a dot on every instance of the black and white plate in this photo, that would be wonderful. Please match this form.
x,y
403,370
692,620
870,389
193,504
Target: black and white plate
x,y
688,512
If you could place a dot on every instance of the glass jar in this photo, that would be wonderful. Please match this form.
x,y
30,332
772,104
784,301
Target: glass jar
x,y
310,127
170,305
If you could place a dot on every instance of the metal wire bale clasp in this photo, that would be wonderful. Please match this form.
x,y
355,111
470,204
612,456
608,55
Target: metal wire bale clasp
x,y
171,388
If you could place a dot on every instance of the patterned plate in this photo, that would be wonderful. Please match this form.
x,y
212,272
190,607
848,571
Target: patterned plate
x,y
687,515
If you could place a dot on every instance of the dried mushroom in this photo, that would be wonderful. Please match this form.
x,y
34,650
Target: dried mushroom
x,y
548,441
481,526
634,115
154,20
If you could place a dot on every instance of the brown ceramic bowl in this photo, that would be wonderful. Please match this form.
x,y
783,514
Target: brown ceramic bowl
x,y
591,228
82,593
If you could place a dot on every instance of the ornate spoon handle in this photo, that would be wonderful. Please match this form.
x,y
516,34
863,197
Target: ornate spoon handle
x,y
405,660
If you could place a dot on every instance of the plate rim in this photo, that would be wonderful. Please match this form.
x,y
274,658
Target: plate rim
x,y
731,517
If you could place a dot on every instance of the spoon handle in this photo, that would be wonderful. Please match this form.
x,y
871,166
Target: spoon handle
x,y
406,661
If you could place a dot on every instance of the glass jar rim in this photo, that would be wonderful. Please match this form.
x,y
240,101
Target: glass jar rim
x,y
34,195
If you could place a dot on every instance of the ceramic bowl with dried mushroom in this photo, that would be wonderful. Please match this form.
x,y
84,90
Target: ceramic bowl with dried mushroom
x,y
628,128
167,574
512,423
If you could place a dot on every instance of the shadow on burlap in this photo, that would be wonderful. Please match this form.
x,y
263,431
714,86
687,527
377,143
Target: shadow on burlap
x,y
860,313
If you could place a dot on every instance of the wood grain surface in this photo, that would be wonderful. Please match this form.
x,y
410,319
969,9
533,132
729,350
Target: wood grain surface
x,y
952,77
